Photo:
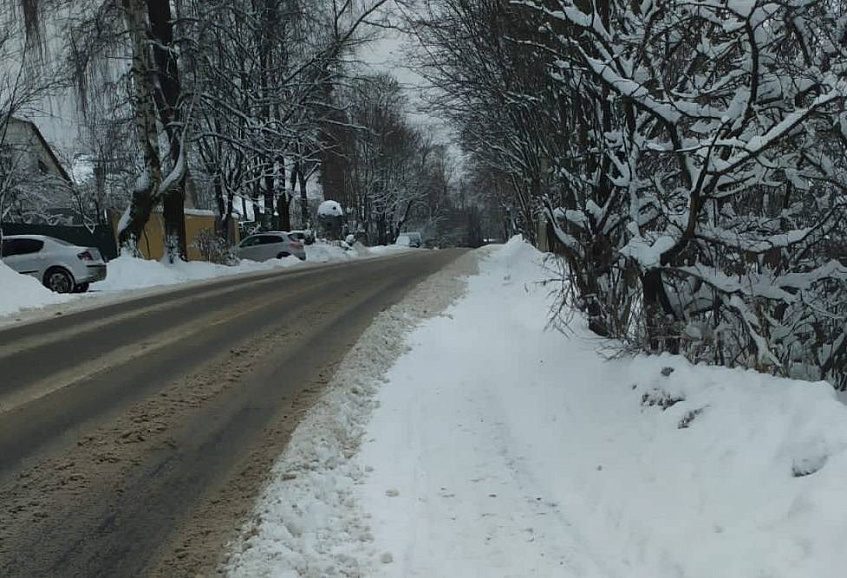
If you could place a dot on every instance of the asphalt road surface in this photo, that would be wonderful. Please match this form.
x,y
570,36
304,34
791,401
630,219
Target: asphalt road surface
x,y
135,436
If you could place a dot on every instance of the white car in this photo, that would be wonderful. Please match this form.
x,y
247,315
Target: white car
x,y
270,245
61,266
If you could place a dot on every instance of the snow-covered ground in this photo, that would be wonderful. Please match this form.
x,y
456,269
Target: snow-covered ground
x,y
125,274
131,273
22,291
492,447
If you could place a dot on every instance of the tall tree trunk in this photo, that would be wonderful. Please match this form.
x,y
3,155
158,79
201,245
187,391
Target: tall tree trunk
x,y
161,30
228,223
270,221
144,111
221,203
304,200
284,202
284,210
258,214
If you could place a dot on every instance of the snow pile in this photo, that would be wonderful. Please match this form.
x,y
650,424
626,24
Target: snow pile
x,y
19,292
324,252
512,451
388,249
127,272
306,522
330,209
500,449
131,273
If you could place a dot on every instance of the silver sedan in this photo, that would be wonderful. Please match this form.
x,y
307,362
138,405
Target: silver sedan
x,y
270,245
61,266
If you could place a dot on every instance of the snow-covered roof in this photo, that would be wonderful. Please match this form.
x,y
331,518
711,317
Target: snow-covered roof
x,y
330,209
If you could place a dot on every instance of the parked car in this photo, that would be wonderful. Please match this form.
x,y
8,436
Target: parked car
x,y
61,266
270,245
409,240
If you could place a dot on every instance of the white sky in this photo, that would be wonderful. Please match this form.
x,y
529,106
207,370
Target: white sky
x,y
390,54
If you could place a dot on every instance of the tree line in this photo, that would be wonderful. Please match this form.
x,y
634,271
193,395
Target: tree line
x,y
239,105
685,158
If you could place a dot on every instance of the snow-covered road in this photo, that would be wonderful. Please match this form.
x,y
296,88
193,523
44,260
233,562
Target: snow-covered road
x,y
134,437
23,298
495,448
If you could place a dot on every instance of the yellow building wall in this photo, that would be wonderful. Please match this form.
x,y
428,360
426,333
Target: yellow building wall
x,y
151,245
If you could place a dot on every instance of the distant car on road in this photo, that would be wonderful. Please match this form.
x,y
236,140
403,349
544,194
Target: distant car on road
x,y
409,240
61,266
270,245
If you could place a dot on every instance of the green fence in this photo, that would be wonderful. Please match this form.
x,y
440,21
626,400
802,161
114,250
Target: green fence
x,y
100,236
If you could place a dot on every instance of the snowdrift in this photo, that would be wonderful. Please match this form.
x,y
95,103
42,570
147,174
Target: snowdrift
x,y
127,272
681,470
19,292
131,273
497,448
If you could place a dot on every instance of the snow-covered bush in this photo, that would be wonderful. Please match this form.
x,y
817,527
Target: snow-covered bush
x,y
721,200
687,158
214,249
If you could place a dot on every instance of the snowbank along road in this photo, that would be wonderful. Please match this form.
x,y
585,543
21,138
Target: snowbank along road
x,y
133,437
477,444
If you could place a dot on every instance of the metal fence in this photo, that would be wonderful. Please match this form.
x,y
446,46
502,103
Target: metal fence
x,y
100,236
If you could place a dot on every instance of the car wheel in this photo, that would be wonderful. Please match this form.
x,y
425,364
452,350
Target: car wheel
x,y
283,255
58,280
81,288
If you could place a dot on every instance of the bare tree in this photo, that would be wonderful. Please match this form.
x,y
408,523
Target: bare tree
x,y
389,164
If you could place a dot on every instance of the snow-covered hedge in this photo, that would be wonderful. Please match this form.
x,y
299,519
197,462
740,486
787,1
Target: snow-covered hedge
x,y
703,204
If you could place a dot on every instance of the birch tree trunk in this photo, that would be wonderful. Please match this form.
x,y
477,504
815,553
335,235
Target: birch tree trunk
x,y
144,112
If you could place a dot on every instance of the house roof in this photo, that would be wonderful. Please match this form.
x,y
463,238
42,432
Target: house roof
x,y
62,172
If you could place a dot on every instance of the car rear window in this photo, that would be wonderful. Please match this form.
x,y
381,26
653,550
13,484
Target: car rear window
x,y
13,247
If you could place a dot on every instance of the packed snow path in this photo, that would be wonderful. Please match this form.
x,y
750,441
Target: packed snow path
x,y
465,480
495,448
